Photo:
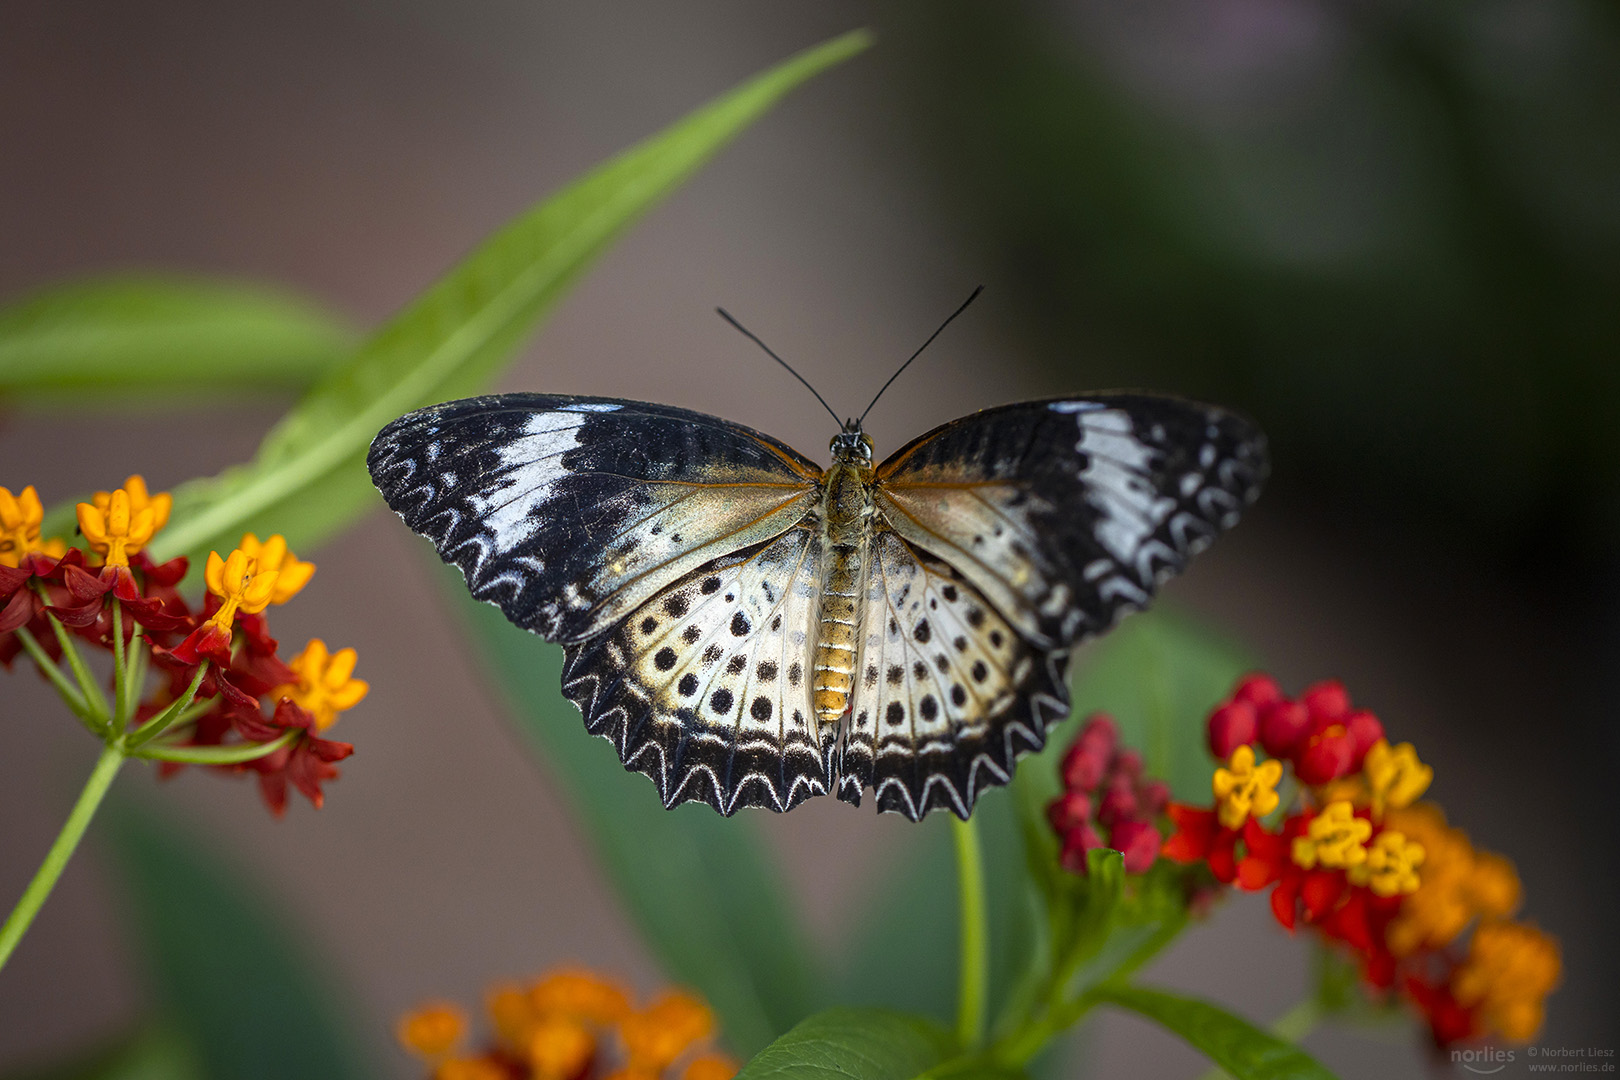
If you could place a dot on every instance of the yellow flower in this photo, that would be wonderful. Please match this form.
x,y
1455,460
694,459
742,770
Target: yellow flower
x,y
272,554
511,1015
239,584
559,1048
20,518
1335,838
1458,883
1511,968
1391,866
139,499
475,1068
325,685
1395,776
661,1033
1243,789
710,1067
432,1031
581,995
119,523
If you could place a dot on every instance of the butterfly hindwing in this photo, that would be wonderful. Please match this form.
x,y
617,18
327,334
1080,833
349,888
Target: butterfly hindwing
x,y
948,694
570,512
1067,514
706,687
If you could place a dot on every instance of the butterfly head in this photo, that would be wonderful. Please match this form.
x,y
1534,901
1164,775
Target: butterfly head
x,y
851,446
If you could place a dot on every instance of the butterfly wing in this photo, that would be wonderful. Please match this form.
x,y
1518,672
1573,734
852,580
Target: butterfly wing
x,y
948,694
571,512
1005,539
706,687
1067,514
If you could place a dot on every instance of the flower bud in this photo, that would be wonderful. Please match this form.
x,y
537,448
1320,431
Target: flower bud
x,y
1283,727
1327,701
1261,691
1325,757
1230,726
1364,730
1138,841
1069,811
1118,801
1076,844
1151,798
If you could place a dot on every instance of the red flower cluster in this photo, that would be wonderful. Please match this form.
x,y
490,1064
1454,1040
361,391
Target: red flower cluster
x,y
1104,789
224,698
1358,860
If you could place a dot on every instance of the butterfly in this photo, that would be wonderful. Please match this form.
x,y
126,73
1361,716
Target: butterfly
x,y
750,629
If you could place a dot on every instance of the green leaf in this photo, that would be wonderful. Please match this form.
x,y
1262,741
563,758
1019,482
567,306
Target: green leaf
x,y
706,897
455,338
230,977
155,1053
1234,1044
854,1044
162,340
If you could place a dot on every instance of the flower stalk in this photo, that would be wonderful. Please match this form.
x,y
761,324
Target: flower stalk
x,y
56,859
975,945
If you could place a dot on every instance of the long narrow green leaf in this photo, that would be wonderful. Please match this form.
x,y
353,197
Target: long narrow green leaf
x,y
1231,1042
699,886
232,980
162,340
453,339
854,1044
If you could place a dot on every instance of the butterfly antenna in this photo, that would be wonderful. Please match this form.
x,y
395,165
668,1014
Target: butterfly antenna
x,y
751,336
920,348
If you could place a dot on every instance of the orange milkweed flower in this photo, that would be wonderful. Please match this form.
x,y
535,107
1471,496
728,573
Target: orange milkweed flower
x,y
117,524
292,573
432,1031
240,585
325,685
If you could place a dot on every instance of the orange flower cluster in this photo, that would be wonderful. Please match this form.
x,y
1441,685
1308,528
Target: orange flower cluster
x,y
1358,859
570,1025
227,691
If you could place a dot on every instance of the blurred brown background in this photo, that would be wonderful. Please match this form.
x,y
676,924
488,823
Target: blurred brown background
x,y
1391,231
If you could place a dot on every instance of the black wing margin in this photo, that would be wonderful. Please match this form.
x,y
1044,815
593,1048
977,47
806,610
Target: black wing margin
x,y
570,512
1068,513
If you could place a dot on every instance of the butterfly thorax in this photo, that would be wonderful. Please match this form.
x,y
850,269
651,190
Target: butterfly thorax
x,y
847,511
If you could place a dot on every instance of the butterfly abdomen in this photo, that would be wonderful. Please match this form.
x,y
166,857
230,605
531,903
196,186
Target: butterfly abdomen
x,y
848,521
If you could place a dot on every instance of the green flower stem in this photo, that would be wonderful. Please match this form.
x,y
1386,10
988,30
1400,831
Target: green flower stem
x,y
1022,1046
120,711
1292,1025
135,673
970,1009
69,693
101,778
160,723
184,717
215,755
95,701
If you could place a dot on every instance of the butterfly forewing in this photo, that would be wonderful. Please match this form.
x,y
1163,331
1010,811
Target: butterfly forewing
x,y
706,687
570,512
1069,513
